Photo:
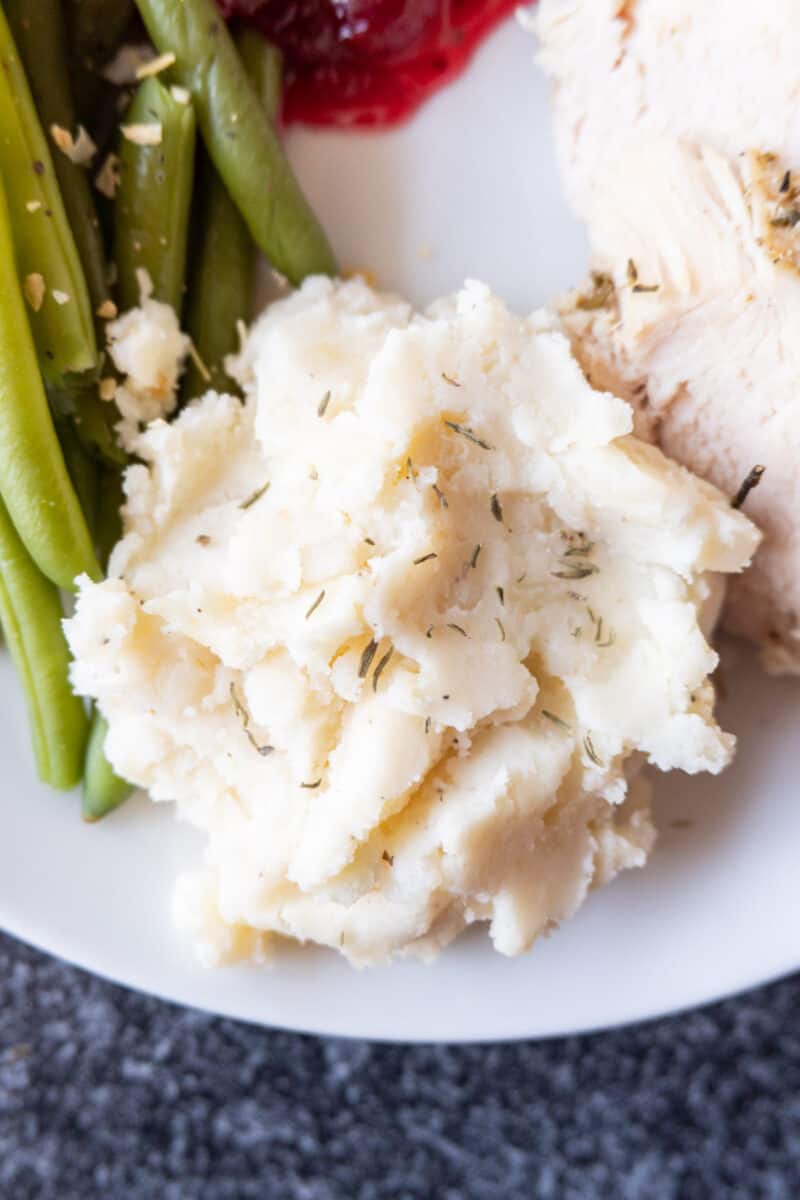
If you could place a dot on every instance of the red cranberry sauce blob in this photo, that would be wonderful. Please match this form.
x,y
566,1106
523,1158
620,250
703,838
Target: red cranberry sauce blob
x,y
368,62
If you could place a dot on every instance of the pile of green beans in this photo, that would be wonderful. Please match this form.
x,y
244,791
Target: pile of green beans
x,y
191,218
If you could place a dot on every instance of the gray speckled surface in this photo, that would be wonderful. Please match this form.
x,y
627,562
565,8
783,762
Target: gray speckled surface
x,y
105,1093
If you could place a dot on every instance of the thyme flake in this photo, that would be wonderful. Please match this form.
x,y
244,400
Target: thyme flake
x,y
632,274
458,629
264,751
323,404
752,480
502,630
316,604
497,508
312,786
501,595
466,432
473,562
576,571
425,558
600,641
381,668
366,658
601,293
238,707
440,496
449,379
251,500
582,548
244,717
551,716
588,746
786,220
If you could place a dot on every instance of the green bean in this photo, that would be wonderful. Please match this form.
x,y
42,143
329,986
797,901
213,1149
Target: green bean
x,y
263,63
238,135
222,280
109,519
103,791
82,471
153,197
44,245
97,27
33,478
221,284
30,611
94,419
39,33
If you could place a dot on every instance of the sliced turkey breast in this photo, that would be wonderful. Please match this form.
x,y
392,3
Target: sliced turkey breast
x,y
678,127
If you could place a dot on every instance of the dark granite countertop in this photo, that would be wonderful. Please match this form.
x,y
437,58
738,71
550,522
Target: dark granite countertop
x,y
106,1093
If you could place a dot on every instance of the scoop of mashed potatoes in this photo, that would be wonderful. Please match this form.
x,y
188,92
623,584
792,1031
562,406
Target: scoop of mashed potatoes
x,y
398,630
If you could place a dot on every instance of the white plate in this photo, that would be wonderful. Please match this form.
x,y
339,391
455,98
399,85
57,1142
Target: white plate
x,y
469,188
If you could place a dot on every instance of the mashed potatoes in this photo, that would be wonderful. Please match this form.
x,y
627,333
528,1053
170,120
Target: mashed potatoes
x,y
397,631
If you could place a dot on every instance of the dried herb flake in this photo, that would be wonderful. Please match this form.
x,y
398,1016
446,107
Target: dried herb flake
x,y
752,480
316,603
601,293
251,500
468,433
590,750
244,717
786,220
576,571
366,659
381,668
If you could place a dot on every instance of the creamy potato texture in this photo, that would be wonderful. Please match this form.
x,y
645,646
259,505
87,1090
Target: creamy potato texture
x,y
398,630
